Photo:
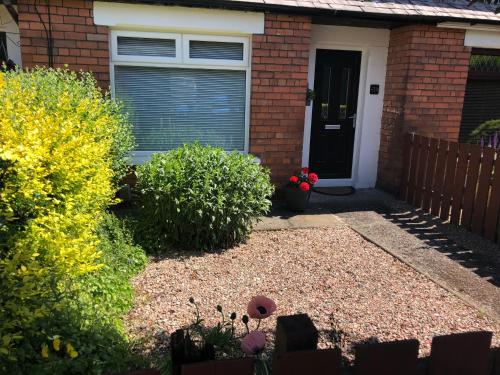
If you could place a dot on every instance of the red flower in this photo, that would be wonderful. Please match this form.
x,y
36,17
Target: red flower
x,y
294,179
305,170
304,186
313,178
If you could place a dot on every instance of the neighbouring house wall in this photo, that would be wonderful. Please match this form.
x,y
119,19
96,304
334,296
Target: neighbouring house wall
x,y
77,42
278,94
427,71
9,26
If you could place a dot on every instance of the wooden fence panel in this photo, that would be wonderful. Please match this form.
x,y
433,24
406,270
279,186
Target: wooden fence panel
x,y
413,170
469,351
423,157
483,190
458,188
429,174
457,182
451,167
388,358
407,147
437,187
492,212
471,185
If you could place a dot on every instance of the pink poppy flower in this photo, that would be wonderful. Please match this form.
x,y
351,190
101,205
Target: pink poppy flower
x,y
260,307
253,343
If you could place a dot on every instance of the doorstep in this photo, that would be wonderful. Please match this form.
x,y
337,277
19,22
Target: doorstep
x,y
298,222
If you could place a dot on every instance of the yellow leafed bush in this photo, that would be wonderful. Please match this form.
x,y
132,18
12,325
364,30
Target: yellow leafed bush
x,y
62,145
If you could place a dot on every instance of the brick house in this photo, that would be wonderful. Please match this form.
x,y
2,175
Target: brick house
x,y
332,84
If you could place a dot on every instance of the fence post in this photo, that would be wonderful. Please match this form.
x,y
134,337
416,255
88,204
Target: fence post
x,y
295,332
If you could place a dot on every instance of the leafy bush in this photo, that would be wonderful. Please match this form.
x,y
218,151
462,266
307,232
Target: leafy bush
x,y
485,130
90,320
59,154
201,198
108,290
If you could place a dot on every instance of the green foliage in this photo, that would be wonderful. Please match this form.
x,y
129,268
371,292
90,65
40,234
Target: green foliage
x,y
200,198
485,130
90,317
61,148
108,290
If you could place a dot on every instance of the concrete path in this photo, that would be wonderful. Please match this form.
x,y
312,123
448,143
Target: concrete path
x,y
460,262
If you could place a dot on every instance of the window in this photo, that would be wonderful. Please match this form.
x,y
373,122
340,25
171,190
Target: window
x,y
3,47
482,93
182,88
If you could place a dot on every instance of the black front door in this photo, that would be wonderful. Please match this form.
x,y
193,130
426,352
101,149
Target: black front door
x,y
334,113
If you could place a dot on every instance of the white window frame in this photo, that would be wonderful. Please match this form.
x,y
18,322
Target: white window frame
x,y
155,59
182,60
187,38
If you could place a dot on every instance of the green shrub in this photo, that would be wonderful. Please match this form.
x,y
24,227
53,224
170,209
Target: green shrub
x,y
60,151
200,198
108,290
485,130
91,315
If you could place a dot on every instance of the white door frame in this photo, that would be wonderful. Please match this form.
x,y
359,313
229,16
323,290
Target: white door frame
x,y
359,111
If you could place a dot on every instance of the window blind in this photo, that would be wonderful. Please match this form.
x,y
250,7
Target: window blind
x,y
173,106
132,46
215,50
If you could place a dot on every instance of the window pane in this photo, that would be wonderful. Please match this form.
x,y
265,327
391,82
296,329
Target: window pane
x,y
173,106
3,47
215,50
146,47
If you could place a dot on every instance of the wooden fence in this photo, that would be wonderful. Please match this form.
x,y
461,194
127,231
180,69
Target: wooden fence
x,y
459,182
296,353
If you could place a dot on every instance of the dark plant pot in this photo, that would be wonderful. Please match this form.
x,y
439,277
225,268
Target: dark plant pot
x,y
296,199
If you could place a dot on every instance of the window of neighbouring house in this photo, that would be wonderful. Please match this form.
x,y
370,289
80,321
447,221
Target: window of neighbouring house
x,y
482,94
182,88
3,47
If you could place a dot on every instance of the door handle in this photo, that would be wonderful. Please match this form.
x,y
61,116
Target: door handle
x,y
353,117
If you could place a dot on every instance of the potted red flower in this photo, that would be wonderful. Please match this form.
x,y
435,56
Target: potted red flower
x,y
298,189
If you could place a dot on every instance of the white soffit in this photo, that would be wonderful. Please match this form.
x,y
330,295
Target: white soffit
x,y
478,35
138,16
482,39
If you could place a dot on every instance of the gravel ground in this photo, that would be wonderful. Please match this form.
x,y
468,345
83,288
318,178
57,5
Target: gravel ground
x,y
333,274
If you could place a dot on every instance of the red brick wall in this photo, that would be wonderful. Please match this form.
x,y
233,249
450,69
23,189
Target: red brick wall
x,y
77,41
427,71
280,59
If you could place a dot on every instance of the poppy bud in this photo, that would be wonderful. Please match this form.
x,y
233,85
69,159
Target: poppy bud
x,y
191,300
219,308
244,319
233,316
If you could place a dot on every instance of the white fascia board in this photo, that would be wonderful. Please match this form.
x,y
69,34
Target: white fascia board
x,y
478,35
175,18
468,26
482,39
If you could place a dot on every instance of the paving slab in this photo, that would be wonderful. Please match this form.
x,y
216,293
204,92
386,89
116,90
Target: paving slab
x,y
298,222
